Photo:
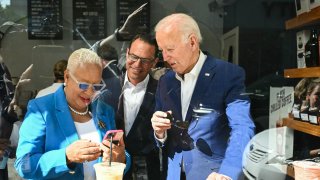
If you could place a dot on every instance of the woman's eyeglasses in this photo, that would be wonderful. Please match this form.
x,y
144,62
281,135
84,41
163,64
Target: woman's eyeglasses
x,y
85,86
135,58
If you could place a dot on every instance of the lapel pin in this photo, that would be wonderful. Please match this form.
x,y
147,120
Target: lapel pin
x,y
101,124
206,74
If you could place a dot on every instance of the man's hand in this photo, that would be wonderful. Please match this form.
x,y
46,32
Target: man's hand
x,y
118,153
129,28
160,123
217,176
24,79
82,151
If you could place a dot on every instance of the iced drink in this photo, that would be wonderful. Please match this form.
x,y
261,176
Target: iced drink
x,y
113,172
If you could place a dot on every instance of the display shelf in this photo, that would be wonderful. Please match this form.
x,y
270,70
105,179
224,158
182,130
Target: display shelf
x,y
308,18
302,72
302,126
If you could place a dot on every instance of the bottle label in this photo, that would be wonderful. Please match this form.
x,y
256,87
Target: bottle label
x,y
296,114
313,119
304,117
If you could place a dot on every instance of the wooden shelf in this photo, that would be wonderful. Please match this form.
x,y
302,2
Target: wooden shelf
x,y
304,19
302,72
302,126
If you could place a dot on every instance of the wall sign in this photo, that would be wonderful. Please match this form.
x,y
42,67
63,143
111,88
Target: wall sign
x,y
126,7
89,19
44,19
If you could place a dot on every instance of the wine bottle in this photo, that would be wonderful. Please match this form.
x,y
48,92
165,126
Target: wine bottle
x,y
312,50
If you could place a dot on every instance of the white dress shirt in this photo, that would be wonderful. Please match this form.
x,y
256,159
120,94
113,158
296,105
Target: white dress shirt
x,y
187,87
132,100
188,82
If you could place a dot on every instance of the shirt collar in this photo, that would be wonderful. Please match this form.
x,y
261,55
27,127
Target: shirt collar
x,y
142,84
197,68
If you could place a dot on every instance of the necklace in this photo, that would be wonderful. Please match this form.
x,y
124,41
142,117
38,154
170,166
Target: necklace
x,y
79,113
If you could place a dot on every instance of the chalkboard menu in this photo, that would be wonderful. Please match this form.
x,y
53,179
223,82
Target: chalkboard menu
x,y
44,19
126,7
89,20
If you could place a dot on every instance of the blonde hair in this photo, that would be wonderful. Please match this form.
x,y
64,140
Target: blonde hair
x,y
81,57
183,22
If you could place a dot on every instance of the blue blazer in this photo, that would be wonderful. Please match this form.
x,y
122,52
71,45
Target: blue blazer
x,y
215,141
47,130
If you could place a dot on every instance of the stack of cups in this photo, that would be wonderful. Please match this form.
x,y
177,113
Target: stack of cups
x,y
306,170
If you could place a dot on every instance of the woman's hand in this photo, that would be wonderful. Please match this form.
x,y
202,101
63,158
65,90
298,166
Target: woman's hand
x,y
82,151
118,151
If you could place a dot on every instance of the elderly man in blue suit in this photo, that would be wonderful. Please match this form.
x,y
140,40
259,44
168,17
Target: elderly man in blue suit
x,y
211,122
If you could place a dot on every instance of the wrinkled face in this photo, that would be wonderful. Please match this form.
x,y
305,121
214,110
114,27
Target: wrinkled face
x,y
179,52
140,60
86,74
314,97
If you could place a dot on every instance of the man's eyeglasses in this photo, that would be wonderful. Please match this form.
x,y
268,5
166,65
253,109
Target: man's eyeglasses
x,y
85,86
135,58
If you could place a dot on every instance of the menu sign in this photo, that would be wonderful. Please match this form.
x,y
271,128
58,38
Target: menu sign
x,y
45,19
126,7
89,21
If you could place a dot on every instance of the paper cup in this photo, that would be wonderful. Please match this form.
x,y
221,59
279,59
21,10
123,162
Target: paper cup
x,y
113,172
306,170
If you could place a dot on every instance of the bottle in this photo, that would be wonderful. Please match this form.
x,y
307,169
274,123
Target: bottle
x,y
312,50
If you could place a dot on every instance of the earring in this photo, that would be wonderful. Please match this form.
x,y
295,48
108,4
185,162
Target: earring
x,y
64,84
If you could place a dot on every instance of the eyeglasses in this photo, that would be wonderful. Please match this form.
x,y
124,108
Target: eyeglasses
x,y
85,86
135,58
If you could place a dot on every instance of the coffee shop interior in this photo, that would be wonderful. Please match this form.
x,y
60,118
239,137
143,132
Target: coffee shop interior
x,y
276,42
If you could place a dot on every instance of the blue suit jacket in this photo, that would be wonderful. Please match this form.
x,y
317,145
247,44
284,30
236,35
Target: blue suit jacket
x,y
47,130
214,142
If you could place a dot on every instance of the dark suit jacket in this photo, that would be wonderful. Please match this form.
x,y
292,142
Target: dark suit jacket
x,y
140,139
111,76
214,142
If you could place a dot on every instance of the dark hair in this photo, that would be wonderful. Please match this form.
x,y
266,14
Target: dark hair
x,y
107,52
58,70
148,38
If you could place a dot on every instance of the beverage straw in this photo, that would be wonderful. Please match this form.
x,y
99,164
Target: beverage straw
x,y
111,150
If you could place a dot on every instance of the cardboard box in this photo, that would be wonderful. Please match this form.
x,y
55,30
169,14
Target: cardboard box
x,y
314,3
301,62
302,39
302,6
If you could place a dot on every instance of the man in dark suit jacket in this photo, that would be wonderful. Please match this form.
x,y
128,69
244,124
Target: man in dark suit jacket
x,y
110,74
136,106
207,96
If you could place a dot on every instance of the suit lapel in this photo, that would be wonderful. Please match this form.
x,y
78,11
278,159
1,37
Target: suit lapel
x,y
175,96
205,77
64,117
120,110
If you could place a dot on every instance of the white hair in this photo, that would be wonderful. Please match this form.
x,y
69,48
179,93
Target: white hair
x,y
82,57
183,22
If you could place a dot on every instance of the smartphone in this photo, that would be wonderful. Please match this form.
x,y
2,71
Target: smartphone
x,y
115,134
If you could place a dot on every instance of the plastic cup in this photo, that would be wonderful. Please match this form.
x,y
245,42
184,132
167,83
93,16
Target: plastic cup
x,y
113,172
306,170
